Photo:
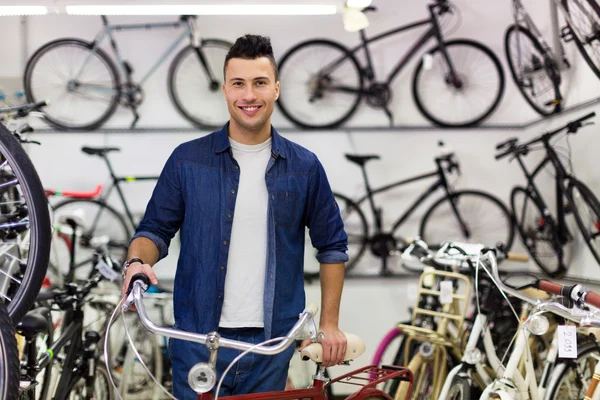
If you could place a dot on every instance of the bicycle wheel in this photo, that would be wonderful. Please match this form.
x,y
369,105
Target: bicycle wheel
x,y
571,379
585,18
322,86
134,378
586,208
24,228
82,85
100,220
484,220
103,389
535,73
394,345
538,233
9,358
195,96
460,389
468,97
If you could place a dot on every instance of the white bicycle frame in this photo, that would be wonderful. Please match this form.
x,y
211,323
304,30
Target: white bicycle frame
x,y
511,385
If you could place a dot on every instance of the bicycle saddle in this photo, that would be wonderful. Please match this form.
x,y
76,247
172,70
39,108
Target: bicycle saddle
x,y
35,321
361,160
355,348
99,151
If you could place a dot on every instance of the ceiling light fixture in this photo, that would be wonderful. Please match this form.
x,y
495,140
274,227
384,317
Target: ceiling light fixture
x,y
358,3
23,10
224,9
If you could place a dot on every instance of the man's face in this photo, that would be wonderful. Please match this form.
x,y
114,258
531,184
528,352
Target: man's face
x,y
251,91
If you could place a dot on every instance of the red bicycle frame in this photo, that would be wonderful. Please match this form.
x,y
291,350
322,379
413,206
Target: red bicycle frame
x,y
367,378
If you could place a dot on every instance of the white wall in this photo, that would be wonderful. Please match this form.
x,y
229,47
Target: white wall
x,y
370,307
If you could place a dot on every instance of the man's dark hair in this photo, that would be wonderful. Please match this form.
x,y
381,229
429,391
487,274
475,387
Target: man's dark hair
x,y
251,47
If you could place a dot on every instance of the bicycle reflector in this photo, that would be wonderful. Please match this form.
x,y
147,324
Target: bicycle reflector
x,y
202,378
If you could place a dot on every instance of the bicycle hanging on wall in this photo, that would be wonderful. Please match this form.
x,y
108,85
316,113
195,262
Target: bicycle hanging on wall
x,y
457,83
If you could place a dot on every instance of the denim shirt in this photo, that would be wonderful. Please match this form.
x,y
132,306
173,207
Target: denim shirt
x,y
196,192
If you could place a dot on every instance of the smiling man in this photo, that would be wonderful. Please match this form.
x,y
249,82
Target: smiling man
x,y
242,197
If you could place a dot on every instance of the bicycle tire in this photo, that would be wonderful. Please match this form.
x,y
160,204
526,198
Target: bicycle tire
x,y
460,386
32,97
291,106
477,220
450,45
529,229
563,369
9,358
132,384
191,108
115,227
31,190
391,386
103,383
594,207
549,67
594,11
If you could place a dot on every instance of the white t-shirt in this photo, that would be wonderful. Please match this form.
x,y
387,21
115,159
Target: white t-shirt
x,y
243,303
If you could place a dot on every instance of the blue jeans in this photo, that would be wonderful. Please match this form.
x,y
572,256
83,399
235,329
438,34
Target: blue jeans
x,y
254,373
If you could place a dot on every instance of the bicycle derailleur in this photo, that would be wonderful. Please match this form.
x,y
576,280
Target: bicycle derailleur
x,y
132,96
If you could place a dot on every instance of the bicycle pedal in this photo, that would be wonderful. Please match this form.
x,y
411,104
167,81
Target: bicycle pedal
x,y
566,33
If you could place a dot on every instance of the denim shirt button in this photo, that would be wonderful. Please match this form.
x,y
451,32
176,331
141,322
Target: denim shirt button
x,y
232,191
228,215
225,242
222,267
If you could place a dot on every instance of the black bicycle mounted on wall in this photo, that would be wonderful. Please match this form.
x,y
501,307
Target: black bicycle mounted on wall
x,y
459,215
457,83
546,236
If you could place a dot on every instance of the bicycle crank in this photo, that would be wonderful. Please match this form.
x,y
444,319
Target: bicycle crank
x,y
379,95
382,245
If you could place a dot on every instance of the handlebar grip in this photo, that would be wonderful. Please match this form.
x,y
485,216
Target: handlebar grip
x,y
502,155
506,142
551,287
40,104
313,308
138,277
517,257
588,116
593,299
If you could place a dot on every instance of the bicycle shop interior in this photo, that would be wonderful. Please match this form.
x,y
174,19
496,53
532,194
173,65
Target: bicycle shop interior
x,y
504,86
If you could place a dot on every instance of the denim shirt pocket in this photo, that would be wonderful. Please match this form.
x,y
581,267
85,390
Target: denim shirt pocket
x,y
286,207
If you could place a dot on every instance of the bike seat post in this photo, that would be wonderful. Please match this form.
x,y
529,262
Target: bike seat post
x,y
378,221
109,166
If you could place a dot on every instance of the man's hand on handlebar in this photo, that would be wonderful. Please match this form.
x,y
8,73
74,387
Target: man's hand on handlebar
x,y
137,268
334,345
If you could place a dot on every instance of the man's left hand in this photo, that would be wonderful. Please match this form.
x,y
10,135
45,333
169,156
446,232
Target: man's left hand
x,y
334,345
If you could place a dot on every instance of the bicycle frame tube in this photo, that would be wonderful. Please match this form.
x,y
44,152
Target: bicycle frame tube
x,y
371,192
370,72
109,29
73,336
561,175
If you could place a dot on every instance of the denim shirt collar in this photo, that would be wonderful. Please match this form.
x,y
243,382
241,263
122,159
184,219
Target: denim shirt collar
x,y
279,147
